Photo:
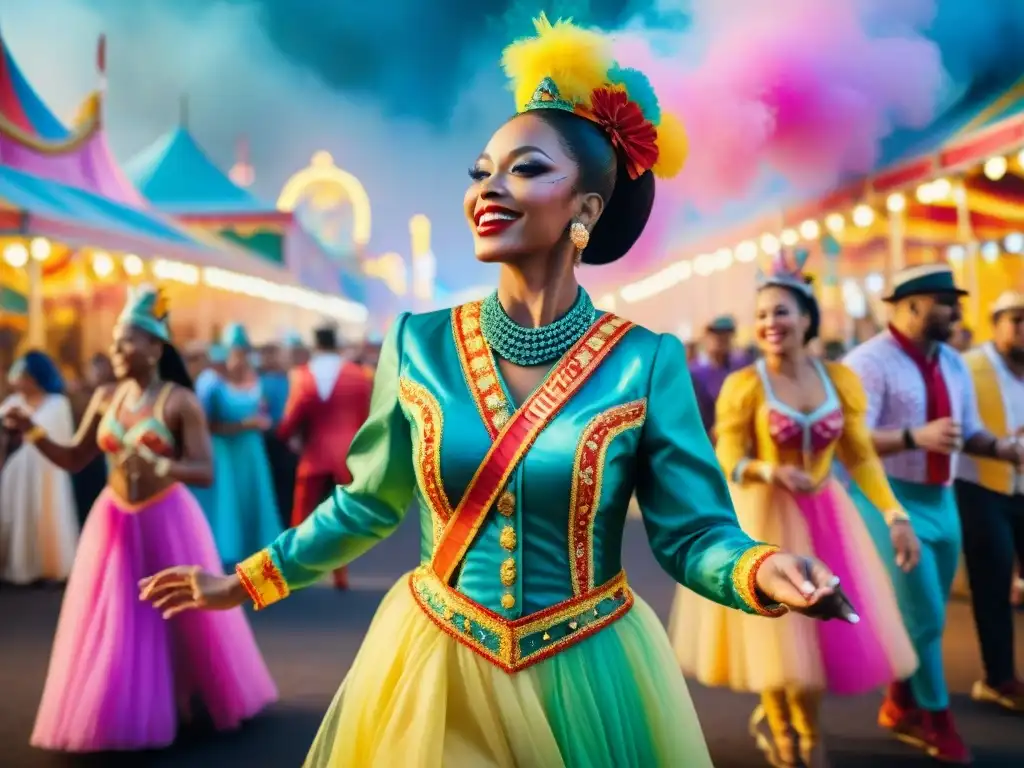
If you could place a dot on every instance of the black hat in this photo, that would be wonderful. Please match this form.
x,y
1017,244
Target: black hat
x,y
923,280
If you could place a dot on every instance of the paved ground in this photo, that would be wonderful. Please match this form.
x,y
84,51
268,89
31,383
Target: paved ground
x,y
311,639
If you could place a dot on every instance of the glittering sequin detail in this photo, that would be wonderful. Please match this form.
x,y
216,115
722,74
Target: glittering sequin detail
x,y
425,412
587,476
479,369
744,579
262,580
534,346
515,645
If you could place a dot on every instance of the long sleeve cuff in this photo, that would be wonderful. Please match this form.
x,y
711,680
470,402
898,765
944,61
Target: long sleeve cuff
x,y
744,580
262,579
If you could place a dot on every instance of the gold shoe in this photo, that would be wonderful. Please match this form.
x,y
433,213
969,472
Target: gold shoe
x,y
1009,696
779,752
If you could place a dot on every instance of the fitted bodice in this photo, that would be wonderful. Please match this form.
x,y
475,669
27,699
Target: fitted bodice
x,y
145,426
233,404
571,490
793,430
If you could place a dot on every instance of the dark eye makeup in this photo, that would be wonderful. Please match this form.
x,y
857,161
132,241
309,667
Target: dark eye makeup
x,y
529,169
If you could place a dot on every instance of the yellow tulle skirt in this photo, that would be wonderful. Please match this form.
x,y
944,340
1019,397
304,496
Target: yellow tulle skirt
x,y
416,698
724,648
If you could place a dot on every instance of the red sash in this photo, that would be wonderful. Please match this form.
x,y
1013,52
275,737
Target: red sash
x,y
518,434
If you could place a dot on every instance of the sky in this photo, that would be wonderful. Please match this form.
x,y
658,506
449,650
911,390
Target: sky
x,y
403,93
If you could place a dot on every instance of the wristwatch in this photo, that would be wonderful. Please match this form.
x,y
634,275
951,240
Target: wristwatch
x,y
908,439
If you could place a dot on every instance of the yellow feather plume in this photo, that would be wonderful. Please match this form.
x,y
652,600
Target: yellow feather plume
x,y
673,147
160,305
576,59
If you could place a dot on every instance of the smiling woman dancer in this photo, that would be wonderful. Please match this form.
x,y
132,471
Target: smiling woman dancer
x,y
522,424
119,676
781,423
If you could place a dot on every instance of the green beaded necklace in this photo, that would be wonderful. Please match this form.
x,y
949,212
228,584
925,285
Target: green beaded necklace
x,y
528,347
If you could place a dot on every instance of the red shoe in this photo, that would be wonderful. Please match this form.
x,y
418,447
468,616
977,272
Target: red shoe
x,y
944,742
341,579
900,714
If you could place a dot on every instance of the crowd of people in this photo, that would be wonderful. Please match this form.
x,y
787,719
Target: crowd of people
x,y
810,510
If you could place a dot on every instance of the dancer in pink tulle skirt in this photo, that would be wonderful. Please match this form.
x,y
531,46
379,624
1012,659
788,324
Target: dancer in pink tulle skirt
x,y
120,676
780,424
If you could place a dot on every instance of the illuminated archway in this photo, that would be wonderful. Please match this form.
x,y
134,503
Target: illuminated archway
x,y
321,180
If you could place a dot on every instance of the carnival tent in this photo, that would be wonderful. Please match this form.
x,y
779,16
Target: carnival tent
x,y
176,176
63,183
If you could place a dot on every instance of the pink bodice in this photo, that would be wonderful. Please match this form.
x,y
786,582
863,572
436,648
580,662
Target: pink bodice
x,y
788,431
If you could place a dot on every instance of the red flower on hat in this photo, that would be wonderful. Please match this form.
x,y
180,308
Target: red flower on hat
x,y
627,127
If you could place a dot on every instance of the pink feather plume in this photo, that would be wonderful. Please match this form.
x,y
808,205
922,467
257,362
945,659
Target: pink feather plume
x,y
805,88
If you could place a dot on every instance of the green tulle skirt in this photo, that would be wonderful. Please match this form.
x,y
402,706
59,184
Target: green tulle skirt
x,y
417,698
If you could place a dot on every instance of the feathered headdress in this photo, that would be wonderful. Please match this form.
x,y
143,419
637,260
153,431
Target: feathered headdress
x,y
573,69
786,269
146,309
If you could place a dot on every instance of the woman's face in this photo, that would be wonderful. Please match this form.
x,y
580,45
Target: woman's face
x,y
522,197
779,326
238,360
20,381
134,353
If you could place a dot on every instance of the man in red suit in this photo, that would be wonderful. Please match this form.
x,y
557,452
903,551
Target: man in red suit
x,y
328,401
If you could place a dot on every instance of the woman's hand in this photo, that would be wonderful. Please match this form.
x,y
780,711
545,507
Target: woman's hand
x,y
259,422
904,541
805,585
793,479
185,588
17,420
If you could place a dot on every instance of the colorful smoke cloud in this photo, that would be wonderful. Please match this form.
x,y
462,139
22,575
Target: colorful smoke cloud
x,y
805,89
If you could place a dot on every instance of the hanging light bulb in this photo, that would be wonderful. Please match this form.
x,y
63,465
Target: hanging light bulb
x,y
16,255
40,248
863,215
995,168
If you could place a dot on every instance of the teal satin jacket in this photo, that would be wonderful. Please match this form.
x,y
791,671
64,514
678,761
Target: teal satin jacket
x,y
544,568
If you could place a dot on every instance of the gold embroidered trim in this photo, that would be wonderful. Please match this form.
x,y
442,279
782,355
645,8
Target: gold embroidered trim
x,y
479,368
426,414
744,579
515,645
262,580
587,478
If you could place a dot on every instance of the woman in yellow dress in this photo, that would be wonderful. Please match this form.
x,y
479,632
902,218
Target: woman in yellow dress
x,y
522,425
780,424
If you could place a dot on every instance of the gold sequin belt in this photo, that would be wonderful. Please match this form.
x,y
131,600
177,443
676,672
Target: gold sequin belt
x,y
515,645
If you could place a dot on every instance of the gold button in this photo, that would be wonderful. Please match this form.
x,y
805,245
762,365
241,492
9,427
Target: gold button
x,y
508,602
508,538
508,572
545,637
507,504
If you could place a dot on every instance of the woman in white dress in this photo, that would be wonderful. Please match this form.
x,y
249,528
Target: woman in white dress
x,y
38,517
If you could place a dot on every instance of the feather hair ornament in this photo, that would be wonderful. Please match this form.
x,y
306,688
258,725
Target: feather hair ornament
x,y
786,269
574,69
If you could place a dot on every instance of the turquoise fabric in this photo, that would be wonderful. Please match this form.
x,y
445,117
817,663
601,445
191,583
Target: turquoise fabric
x,y
241,505
668,460
275,393
924,592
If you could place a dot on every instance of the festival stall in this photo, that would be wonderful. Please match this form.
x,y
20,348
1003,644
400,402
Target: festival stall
x,y
177,177
74,232
953,192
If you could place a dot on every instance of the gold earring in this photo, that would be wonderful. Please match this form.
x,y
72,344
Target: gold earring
x,y
580,237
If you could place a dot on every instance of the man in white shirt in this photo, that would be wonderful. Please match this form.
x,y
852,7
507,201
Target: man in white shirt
x,y
990,497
